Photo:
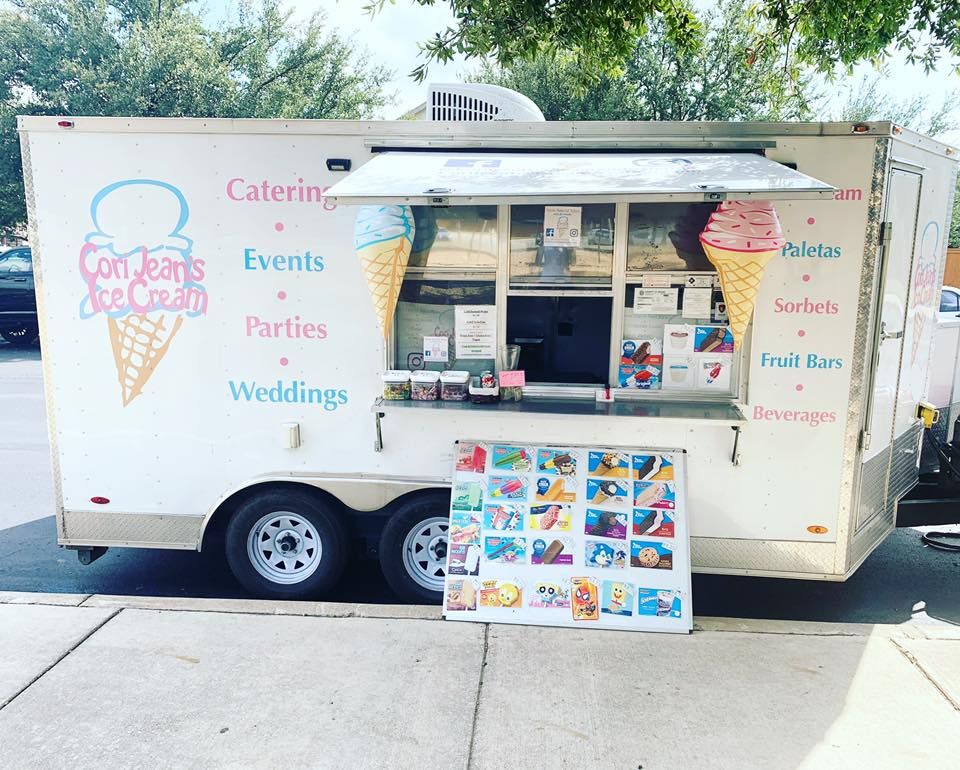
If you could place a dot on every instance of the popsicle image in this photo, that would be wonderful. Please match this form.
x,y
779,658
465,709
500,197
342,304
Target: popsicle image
x,y
554,492
556,461
507,488
508,461
740,238
382,239
713,374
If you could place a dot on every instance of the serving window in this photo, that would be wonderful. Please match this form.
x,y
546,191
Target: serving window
x,y
615,294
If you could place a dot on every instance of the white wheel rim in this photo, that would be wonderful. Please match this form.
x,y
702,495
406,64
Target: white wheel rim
x,y
284,547
425,553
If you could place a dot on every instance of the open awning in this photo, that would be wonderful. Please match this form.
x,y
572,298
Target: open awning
x,y
471,178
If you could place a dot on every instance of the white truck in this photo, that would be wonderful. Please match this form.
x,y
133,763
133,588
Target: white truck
x,y
214,345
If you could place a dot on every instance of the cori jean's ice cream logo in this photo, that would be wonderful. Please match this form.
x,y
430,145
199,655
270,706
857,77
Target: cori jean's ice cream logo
x,y
140,274
925,284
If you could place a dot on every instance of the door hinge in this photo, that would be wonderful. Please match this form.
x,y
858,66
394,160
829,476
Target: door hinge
x,y
864,440
886,232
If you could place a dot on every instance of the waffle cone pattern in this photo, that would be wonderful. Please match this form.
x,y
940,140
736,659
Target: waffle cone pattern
x,y
383,237
740,238
139,343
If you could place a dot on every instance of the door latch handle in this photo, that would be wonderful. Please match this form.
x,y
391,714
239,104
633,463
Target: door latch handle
x,y
885,335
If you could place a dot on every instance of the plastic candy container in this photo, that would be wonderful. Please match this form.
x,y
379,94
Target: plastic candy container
x,y
396,385
424,385
455,386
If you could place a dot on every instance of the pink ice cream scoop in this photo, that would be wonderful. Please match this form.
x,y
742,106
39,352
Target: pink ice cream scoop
x,y
744,226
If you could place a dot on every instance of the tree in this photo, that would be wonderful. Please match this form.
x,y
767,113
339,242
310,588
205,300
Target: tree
x,y
158,58
600,34
867,100
722,79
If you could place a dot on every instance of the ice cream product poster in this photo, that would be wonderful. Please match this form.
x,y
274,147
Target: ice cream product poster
x,y
578,536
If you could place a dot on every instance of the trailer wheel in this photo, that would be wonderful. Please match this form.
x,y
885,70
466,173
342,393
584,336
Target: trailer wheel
x,y
413,548
286,545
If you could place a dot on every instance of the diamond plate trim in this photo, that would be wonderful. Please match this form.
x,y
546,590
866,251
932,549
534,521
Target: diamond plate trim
x,y
873,489
770,556
850,473
131,529
46,364
903,464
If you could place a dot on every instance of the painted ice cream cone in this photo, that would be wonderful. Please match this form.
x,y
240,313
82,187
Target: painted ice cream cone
x,y
383,237
139,343
918,321
740,238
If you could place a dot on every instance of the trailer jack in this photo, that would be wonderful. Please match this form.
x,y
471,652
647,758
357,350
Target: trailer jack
x,y
88,554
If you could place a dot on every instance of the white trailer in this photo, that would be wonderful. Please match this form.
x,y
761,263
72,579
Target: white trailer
x,y
212,359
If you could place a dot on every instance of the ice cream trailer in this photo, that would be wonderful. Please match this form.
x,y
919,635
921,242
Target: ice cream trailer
x,y
231,310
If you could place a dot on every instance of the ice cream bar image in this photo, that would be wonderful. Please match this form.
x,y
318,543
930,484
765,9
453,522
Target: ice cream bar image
x,y
714,373
556,489
553,551
508,460
651,494
605,490
508,488
649,523
713,340
557,460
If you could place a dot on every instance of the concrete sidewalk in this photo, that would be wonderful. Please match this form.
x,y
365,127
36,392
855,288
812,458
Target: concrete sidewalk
x,y
137,682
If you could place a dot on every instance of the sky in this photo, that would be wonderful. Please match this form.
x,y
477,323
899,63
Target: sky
x,y
392,35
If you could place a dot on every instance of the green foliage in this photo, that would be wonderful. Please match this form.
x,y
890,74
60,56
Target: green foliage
x,y
722,79
867,100
158,58
600,35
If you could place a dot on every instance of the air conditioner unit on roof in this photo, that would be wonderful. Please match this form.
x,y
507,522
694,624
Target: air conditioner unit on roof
x,y
451,102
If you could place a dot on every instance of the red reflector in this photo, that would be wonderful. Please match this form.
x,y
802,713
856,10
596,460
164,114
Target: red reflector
x,y
100,500
65,123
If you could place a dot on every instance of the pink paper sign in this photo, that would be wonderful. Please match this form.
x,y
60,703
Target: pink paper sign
x,y
513,379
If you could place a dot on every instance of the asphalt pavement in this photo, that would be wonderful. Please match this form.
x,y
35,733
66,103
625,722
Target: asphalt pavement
x,y
901,580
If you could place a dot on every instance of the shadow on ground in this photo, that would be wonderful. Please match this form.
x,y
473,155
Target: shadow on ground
x,y
886,589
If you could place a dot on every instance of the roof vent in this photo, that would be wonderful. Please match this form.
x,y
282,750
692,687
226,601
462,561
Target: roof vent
x,y
455,102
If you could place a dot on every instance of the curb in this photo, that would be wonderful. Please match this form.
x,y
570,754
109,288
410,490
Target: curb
x,y
909,630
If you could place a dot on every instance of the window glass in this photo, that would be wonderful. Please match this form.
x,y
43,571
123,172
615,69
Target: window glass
x,y
15,261
426,309
563,340
459,237
666,236
670,352
534,262
949,302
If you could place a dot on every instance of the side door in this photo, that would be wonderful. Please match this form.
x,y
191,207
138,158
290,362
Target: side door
x,y
903,202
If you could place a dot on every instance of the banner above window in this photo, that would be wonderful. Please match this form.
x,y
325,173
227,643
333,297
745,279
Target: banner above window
x,y
460,178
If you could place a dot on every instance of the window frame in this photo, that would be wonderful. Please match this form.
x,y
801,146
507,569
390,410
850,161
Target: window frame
x,y
616,291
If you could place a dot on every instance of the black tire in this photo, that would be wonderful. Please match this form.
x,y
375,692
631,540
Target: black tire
x,y
408,516
21,336
319,518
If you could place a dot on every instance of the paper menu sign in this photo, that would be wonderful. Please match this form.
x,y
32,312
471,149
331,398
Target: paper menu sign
x,y
696,302
561,225
655,301
475,331
436,349
679,372
618,558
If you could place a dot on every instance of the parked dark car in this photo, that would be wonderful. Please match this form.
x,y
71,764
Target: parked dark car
x,y
18,303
